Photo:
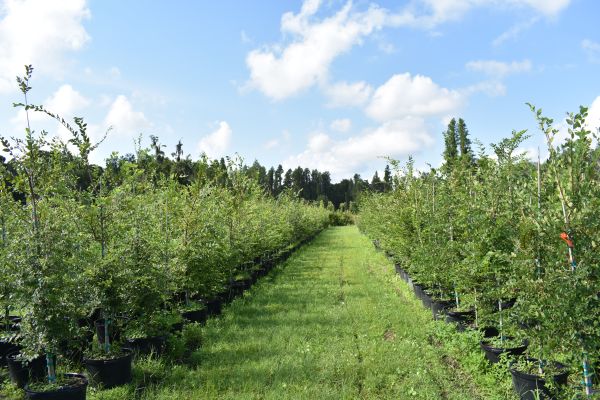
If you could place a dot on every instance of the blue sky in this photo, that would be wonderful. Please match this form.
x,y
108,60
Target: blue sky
x,y
330,84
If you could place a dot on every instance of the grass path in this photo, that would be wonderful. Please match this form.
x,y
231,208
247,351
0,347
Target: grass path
x,y
333,322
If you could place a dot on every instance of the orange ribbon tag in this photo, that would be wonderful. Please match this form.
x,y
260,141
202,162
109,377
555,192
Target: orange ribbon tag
x,y
564,236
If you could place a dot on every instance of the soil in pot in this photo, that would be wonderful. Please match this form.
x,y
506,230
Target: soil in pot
x,y
529,385
69,387
22,372
494,350
147,345
109,372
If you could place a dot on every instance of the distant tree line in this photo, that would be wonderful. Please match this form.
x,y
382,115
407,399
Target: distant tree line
x,y
311,185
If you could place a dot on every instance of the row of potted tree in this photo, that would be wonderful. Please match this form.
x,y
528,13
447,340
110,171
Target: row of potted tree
x,y
94,272
507,245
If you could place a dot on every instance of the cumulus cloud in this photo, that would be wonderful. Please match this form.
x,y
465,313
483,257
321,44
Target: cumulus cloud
x,y
499,69
341,125
593,119
343,94
405,95
310,45
343,157
39,32
217,142
124,119
282,72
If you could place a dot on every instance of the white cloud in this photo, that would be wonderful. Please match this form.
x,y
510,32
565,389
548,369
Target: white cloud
x,y
593,119
515,31
216,143
343,94
65,102
492,88
124,119
441,11
344,157
341,125
499,69
592,49
404,95
283,139
271,144
280,73
39,32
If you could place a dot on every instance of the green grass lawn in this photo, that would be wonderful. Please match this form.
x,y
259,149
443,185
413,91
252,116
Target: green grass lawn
x,y
333,322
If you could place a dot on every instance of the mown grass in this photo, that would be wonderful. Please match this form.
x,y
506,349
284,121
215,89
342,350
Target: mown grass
x,y
333,322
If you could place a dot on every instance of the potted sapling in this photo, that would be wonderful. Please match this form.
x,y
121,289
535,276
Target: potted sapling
x,y
49,260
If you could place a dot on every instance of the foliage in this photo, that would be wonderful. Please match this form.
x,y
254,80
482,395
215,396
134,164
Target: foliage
x,y
493,229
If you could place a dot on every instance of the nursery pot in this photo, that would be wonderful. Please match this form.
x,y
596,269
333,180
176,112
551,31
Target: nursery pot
x,y
493,353
505,304
109,373
22,372
7,347
199,316
439,307
213,307
147,345
526,385
460,318
489,331
418,289
426,299
76,390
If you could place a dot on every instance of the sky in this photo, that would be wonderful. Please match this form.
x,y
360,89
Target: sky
x,y
334,85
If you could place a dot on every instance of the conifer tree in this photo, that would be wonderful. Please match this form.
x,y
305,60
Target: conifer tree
x,y
464,143
451,145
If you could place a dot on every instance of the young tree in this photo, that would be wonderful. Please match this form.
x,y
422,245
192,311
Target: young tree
x,y
451,145
464,143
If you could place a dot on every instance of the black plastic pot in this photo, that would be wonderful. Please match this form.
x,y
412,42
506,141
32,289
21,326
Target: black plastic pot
x,y
533,387
22,372
213,307
142,346
493,353
6,348
418,289
439,307
76,391
199,316
461,318
109,373
505,304
426,299
489,331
